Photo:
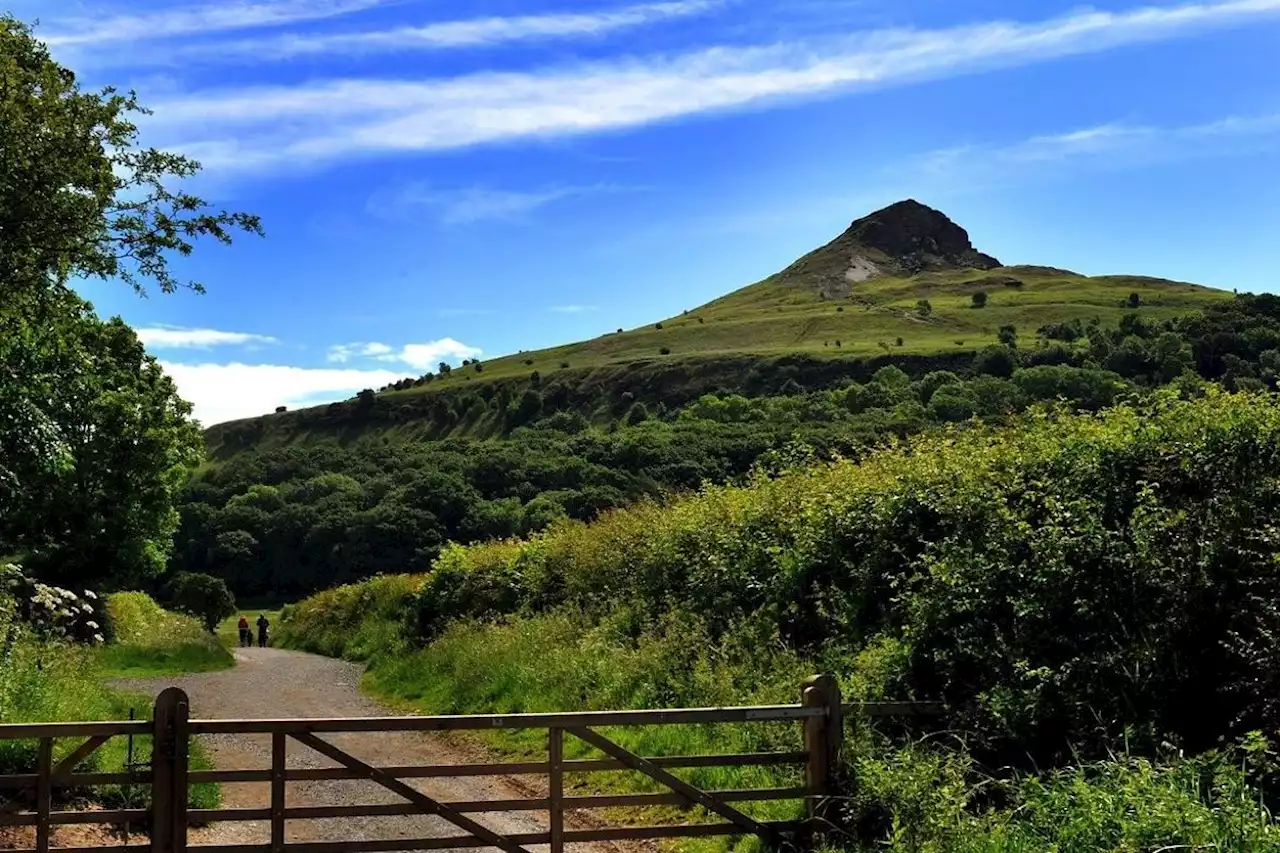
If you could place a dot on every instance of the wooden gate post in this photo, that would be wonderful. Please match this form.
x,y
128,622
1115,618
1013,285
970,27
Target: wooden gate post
x,y
169,772
822,738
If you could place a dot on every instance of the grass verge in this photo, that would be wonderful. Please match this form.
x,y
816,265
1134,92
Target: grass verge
x,y
51,682
150,641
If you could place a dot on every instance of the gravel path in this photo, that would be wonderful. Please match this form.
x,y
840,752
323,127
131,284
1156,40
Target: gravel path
x,y
273,683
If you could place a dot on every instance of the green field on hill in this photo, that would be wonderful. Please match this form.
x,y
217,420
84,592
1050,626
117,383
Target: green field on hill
x,y
781,315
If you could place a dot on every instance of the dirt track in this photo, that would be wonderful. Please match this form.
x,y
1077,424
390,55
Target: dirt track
x,y
276,683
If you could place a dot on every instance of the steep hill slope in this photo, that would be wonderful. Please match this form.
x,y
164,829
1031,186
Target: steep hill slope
x,y
860,293
902,284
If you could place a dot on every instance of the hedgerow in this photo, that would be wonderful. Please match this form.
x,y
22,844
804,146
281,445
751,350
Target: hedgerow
x,y
1058,584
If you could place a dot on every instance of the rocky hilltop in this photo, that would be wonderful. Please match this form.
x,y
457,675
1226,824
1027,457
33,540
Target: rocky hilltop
x,y
914,237
900,240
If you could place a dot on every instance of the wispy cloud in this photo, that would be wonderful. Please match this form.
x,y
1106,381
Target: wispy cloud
x,y
269,127
196,20
224,392
442,35
342,353
423,356
176,337
572,309
1115,144
470,204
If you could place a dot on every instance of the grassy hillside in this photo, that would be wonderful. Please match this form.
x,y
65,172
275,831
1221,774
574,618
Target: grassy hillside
x,y
784,314
751,342
858,298
291,507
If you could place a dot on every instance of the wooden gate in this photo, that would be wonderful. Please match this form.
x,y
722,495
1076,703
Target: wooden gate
x,y
820,713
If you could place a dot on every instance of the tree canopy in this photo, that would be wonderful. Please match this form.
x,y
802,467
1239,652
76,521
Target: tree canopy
x,y
78,197
94,439
96,444
202,596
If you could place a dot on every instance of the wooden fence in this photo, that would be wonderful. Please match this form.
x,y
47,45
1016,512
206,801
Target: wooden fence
x,y
167,773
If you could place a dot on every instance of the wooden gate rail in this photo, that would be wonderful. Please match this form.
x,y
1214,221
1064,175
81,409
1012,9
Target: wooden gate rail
x,y
683,716
820,713
523,768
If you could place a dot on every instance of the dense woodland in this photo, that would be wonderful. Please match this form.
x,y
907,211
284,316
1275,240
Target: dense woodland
x,y
298,518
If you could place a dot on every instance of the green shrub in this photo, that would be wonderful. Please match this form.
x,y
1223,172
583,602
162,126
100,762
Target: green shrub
x,y
1045,576
922,798
953,403
353,621
203,596
996,360
1087,389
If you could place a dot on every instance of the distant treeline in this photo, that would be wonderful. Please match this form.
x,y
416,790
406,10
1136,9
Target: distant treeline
x,y
291,519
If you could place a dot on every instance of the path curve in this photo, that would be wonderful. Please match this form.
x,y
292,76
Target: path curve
x,y
273,683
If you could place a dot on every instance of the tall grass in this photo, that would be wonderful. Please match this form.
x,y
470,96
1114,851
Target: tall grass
x,y
151,641
566,661
42,681
925,800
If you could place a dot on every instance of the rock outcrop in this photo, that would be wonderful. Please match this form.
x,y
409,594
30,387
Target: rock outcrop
x,y
901,240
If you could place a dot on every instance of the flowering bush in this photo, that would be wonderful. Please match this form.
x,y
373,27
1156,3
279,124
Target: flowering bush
x,y
51,612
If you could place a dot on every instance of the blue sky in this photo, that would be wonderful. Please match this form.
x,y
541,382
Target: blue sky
x,y
442,179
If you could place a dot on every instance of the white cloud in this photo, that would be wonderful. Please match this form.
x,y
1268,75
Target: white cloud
x,y
572,309
472,204
175,337
1106,145
224,392
443,35
427,356
424,356
273,126
196,20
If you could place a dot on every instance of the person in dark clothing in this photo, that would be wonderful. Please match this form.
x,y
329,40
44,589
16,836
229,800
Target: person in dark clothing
x,y
263,625
246,638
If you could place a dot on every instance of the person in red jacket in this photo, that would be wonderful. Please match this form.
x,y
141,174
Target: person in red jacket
x,y
246,638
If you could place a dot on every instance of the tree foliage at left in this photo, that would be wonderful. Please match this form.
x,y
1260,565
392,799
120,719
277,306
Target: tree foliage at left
x,y
95,444
94,439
